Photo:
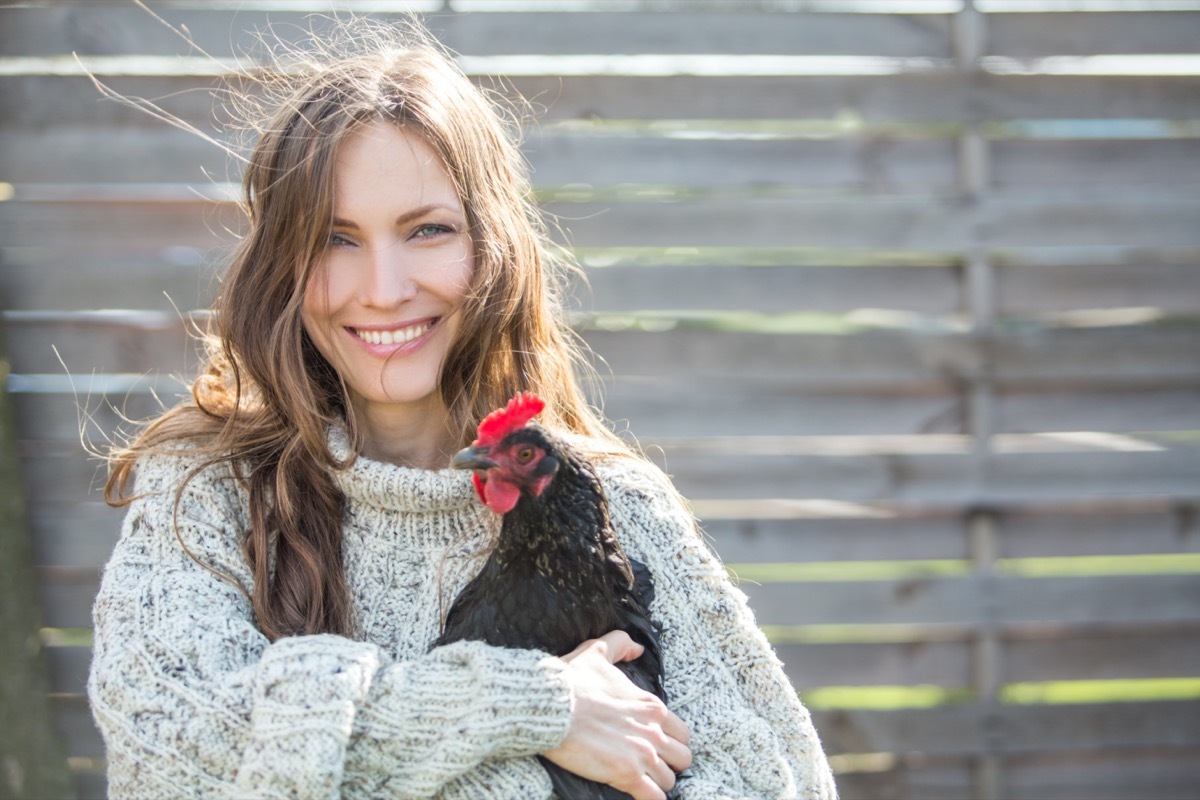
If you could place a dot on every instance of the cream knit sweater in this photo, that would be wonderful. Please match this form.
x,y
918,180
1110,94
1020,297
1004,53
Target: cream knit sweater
x,y
193,701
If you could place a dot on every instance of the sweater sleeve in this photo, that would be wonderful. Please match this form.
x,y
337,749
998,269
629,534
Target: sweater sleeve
x,y
192,700
751,736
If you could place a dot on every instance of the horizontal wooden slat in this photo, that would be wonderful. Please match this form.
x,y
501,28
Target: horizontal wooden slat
x,y
1167,287
696,157
1045,358
48,277
1169,529
654,410
1096,600
923,97
1168,774
1069,656
1127,653
82,154
68,669
1049,218
768,290
873,533
120,29
66,278
892,664
79,533
72,528
1162,216
938,479
938,96
67,597
1032,162
1089,601
910,776
899,362
1013,729
1044,34
74,721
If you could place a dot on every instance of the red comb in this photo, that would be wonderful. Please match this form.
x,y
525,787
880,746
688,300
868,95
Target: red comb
x,y
503,421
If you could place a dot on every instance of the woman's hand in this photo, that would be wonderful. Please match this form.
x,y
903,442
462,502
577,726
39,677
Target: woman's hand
x,y
619,735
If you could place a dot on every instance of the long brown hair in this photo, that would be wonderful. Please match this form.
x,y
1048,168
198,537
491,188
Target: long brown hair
x,y
266,397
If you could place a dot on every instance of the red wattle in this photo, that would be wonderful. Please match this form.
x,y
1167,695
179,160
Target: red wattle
x,y
500,495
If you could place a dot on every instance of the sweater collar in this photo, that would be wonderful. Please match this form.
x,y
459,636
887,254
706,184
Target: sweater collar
x,y
387,486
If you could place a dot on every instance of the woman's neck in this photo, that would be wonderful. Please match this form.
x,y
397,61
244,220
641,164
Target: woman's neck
x,y
407,436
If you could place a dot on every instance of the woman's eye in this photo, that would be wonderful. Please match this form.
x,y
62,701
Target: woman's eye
x,y
339,240
431,230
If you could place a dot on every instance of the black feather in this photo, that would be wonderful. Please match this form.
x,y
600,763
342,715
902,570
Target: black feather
x,y
558,577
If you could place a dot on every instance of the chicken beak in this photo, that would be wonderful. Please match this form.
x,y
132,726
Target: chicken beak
x,y
471,458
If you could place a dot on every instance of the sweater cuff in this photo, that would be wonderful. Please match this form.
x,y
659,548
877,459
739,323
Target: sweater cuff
x,y
431,721
306,692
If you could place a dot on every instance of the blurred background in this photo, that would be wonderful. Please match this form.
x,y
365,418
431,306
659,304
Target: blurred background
x,y
904,295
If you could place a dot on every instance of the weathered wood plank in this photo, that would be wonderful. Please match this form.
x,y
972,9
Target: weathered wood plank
x,y
774,290
829,538
76,534
905,664
935,96
966,730
52,277
69,669
1126,162
970,601
896,362
937,478
1047,218
116,30
62,277
1162,216
1061,359
690,407
1064,33
67,595
1168,774
904,776
1154,652
1069,656
74,720
929,97
73,528
1168,287
79,154
1169,529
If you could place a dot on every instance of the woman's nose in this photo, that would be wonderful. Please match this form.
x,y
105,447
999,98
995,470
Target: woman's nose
x,y
387,281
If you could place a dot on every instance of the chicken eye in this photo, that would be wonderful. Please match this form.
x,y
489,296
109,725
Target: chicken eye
x,y
525,455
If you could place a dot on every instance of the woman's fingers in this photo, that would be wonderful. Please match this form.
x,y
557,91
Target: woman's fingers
x,y
620,735
673,749
617,646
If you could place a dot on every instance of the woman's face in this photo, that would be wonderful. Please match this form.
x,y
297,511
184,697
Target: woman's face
x,y
382,306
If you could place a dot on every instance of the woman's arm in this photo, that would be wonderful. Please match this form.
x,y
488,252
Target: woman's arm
x,y
193,700
751,737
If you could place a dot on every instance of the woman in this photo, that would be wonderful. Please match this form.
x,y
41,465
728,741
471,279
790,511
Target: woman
x,y
294,537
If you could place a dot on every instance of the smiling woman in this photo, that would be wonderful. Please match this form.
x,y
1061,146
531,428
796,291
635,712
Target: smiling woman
x,y
383,305
270,620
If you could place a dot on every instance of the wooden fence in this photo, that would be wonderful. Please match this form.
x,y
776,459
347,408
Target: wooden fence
x,y
904,295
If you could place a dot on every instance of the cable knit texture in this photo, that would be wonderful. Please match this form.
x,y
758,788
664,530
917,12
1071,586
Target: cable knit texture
x,y
194,701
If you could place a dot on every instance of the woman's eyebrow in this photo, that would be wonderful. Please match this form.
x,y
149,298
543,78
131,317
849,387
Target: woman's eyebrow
x,y
407,216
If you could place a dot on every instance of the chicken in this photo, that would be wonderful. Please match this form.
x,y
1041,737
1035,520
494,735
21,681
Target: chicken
x,y
557,575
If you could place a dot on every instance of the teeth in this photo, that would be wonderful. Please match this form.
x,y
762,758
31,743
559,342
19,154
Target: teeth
x,y
392,337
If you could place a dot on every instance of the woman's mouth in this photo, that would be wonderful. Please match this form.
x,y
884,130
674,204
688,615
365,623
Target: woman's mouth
x,y
393,336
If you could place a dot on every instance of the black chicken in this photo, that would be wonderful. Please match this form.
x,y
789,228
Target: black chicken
x,y
557,575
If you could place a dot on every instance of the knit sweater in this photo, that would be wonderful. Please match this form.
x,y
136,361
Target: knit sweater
x,y
194,701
